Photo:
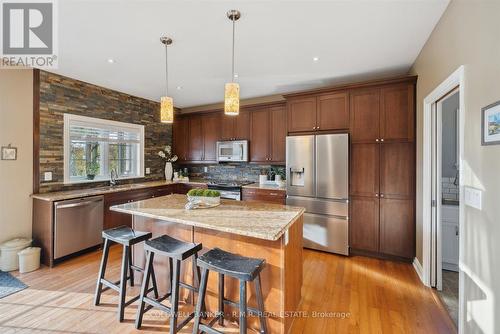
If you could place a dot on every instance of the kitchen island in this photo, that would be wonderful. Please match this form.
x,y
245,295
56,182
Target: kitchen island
x,y
269,231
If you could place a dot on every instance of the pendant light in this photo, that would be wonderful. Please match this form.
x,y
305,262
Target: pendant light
x,y
232,89
167,103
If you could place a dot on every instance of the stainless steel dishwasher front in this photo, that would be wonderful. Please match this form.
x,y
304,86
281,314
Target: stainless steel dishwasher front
x,y
78,225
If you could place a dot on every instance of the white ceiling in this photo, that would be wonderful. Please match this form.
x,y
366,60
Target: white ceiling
x,y
275,44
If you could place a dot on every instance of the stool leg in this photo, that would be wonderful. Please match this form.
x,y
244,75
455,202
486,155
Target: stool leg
x,y
131,271
243,307
153,280
221,299
201,300
260,304
148,270
102,271
174,310
171,274
123,284
198,282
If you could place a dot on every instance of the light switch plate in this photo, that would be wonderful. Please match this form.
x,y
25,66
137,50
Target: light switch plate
x,y
205,169
47,176
148,170
473,197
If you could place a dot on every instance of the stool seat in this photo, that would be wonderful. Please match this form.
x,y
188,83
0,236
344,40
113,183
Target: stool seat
x,y
125,235
171,247
243,268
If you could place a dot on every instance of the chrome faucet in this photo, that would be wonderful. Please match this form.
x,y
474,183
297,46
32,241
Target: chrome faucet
x,y
114,176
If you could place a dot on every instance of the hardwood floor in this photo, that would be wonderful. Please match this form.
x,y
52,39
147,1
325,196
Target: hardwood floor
x,y
340,295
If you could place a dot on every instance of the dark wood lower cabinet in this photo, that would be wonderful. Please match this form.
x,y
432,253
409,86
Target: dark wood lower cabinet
x,y
364,223
397,227
263,195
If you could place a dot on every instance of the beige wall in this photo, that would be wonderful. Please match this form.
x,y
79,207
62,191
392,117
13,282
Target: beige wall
x,y
16,177
469,34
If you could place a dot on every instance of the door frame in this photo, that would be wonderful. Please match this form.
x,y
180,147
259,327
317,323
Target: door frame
x,y
457,78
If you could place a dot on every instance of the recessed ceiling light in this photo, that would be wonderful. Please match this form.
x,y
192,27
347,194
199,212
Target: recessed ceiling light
x,y
235,75
315,58
179,87
111,61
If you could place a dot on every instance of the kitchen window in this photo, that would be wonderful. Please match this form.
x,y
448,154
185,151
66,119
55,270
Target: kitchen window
x,y
94,147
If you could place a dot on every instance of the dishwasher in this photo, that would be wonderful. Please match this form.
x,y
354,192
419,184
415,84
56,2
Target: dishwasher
x,y
78,225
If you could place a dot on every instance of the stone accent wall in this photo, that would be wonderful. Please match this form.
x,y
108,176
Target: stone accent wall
x,y
240,172
59,95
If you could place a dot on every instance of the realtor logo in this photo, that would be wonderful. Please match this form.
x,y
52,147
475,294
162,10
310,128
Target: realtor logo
x,y
28,34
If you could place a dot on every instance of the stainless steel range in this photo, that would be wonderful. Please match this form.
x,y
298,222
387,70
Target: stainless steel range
x,y
228,189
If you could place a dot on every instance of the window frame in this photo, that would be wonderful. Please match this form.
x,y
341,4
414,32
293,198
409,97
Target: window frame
x,y
98,122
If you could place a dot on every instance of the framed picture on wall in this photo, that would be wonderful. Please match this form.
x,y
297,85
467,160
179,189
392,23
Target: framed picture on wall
x,y
9,153
491,124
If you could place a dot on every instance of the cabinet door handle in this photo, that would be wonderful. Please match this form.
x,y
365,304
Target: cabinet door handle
x,y
377,140
273,194
317,128
382,139
376,195
381,195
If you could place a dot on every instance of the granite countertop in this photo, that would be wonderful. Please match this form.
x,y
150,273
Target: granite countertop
x,y
63,195
265,186
253,219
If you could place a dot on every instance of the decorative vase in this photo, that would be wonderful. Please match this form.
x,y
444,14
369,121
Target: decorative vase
x,y
168,171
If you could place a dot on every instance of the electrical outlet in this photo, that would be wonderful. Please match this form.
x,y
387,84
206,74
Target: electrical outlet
x,y
205,169
473,197
47,176
148,170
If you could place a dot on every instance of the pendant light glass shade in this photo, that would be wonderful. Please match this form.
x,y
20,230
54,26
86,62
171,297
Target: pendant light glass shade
x,y
232,89
167,110
232,99
166,102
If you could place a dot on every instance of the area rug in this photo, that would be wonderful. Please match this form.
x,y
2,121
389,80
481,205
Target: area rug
x,y
9,284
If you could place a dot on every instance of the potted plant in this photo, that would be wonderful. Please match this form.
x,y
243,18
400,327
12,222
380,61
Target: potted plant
x,y
206,196
92,169
167,155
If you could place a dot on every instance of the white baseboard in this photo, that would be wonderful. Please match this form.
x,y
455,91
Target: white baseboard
x,y
418,269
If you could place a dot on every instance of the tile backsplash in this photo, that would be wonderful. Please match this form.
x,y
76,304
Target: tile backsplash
x,y
248,172
448,188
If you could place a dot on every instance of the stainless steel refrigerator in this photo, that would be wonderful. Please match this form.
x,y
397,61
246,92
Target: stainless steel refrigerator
x,y
317,170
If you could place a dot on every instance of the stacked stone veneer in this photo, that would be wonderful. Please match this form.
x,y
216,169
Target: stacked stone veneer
x,y
237,172
60,95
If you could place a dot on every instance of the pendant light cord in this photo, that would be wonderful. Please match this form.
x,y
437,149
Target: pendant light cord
x,y
166,66
232,74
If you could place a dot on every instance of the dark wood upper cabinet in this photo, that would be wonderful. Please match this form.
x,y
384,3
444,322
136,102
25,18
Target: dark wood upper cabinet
x,y
365,116
210,124
235,127
180,137
302,114
397,227
397,118
242,126
226,127
364,166
195,151
333,111
277,117
397,170
364,223
259,135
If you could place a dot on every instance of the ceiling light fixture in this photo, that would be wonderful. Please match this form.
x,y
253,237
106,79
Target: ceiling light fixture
x,y
167,103
232,89
111,61
315,58
179,87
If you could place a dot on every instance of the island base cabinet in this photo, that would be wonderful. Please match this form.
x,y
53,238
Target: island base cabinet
x,y
281,277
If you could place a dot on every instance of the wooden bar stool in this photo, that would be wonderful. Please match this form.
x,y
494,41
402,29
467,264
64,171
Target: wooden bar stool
x,y
127,237
177,251
244,269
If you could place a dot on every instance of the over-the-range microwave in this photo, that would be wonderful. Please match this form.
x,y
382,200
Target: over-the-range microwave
x,y
232,151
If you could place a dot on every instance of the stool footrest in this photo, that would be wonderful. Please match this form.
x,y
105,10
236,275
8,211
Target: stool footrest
x,y
136,268
251,310
209,330
187,286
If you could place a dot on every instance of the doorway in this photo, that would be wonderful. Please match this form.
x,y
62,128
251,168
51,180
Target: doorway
x,y
442,196
445,200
